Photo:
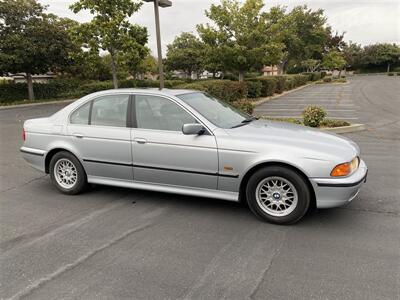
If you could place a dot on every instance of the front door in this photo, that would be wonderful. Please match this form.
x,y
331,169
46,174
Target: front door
x,y
162,154
102,138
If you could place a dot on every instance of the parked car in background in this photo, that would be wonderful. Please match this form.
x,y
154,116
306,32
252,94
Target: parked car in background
x,y
187,142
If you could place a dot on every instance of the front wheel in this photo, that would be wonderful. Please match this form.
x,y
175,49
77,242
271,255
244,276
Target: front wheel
x,y
67,173
278,195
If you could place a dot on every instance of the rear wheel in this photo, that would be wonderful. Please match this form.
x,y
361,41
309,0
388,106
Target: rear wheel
x,y
278,195
67,173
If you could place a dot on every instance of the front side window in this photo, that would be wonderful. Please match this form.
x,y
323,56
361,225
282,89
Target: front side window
x,y
216,111
81,115
159,113
110,111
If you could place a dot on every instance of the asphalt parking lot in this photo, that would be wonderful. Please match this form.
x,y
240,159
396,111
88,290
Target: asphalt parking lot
x,y
113,243
336,99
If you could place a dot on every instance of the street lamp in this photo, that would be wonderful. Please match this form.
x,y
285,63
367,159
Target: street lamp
x,y
161,3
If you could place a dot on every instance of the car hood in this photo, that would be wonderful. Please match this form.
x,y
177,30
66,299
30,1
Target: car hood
x,y
296,136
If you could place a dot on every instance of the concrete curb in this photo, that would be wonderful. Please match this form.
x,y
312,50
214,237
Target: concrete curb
x,y
346,129
35,104
267,99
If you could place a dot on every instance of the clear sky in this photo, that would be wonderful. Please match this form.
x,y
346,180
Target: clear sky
x,y
364,21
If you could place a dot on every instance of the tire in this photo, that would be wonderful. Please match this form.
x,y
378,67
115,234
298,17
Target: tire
x,y
70,178
278,195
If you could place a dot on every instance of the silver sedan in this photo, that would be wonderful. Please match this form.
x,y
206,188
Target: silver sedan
x,y
187,142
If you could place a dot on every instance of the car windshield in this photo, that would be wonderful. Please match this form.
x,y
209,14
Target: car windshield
x,y
216,111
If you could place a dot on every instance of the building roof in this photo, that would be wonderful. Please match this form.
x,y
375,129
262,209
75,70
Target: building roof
x,y
269,68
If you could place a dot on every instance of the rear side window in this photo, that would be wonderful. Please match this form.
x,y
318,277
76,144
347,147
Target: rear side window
x,y
104,111
110,111
81,115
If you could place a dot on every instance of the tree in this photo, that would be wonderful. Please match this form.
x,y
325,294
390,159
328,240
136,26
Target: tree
x,y
147,65
352,53
302,31
334,60
185,53
31,41
381,54
110,30
213,56
237,35
311,65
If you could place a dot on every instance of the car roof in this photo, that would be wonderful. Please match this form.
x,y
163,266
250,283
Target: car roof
x,y
155,91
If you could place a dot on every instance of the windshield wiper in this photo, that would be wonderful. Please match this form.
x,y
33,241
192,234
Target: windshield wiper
x,y
246,121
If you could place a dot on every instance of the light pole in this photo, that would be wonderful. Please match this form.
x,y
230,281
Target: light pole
x,y
161,3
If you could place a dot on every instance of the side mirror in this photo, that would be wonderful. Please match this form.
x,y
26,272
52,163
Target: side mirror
x,y
194,128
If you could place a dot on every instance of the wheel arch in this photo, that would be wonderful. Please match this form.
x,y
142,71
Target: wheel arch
x,y
51,153
253,169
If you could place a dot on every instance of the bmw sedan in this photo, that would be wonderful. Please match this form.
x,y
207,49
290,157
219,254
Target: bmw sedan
x,y
188,142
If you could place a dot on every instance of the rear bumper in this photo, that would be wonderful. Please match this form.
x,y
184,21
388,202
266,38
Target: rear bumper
x,y
34,157
334,192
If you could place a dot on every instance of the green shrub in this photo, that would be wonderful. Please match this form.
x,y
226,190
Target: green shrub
x,y
54,89
230,76
313,116
254,88
333,123
308,74
390,74
72,88
91,87
192,86
268,85
289,84
288,120
280,84
225,90
295,81
340,80
323,74
13,91
148,83
313,76
244,105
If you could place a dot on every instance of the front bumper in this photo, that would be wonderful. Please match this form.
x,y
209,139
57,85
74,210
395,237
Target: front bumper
x,y
333,192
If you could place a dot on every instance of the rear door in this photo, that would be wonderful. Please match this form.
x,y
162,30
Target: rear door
x,y
101,134
162,154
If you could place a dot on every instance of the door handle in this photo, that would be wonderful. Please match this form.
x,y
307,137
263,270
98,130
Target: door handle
x,y
140,140
78,135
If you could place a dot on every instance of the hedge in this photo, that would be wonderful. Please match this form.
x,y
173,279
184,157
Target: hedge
x,y
315,76
277,84
254,89
225,90
19,91
268,85
67,88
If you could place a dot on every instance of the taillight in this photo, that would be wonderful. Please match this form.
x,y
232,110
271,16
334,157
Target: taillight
x,y
23,134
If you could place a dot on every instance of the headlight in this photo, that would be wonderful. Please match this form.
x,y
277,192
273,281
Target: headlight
x,y
346,169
